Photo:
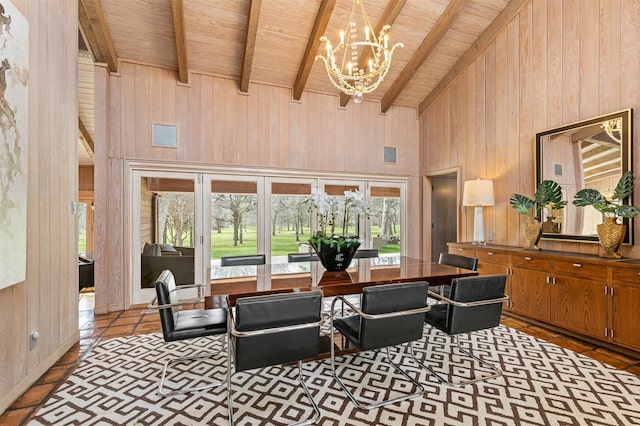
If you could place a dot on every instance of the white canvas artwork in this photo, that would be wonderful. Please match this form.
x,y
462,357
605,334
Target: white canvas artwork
x,y
14,97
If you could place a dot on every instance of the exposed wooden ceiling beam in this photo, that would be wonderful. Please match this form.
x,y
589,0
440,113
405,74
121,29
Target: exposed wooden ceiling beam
x,y
319,27
177,7
388,17
470,55
96,33
426,47
87,140
249,47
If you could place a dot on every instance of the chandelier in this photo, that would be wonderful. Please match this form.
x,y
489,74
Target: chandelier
x,y
613,126
356,76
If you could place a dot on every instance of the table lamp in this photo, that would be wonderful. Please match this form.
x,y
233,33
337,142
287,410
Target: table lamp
x,y
478,193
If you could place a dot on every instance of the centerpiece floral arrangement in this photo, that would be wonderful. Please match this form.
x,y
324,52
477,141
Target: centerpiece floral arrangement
x,y
336,250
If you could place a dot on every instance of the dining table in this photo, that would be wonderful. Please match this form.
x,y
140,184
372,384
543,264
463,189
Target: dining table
x,y
231,283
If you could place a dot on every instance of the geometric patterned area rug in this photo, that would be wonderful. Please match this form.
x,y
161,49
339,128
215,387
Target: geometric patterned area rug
x,y
542,384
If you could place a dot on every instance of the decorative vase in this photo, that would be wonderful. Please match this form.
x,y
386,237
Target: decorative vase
x,y
610,235
531,234
550,226
334,258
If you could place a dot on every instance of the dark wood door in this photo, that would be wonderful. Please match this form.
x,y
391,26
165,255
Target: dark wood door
x,y
444,213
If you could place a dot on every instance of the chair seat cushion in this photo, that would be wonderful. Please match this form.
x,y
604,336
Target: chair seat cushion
x,y
349,327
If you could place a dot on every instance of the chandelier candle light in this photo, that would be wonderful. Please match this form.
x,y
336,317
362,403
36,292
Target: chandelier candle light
x,y
355,76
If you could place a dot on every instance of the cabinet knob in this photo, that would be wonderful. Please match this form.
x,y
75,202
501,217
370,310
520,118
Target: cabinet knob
x,y
527,258
491,254
578,265
460,249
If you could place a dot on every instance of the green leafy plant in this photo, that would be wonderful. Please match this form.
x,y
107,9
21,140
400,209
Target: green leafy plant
x,y
613,206
327,210
548,196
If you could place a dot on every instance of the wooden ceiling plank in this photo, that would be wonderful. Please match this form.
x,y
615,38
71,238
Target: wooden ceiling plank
x,y
319,27
427,46
97,35
249,47
87,140
501,21
388,17
177,7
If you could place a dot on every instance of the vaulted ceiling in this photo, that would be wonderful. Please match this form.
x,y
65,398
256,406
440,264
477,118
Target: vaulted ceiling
x,y
275,41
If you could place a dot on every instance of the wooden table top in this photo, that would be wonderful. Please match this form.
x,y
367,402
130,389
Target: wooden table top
x,y
366,272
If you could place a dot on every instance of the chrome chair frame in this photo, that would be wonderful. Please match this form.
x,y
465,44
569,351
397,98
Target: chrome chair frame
x,y
488,365
232,331
389,359
154,306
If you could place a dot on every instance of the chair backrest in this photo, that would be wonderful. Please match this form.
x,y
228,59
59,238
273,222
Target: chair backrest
x,y
459,261
302,257
362,253
382,299
461,319
276,311
166,294
253,259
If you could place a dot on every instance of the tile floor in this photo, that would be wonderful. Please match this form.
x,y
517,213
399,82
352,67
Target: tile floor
x,y
94,328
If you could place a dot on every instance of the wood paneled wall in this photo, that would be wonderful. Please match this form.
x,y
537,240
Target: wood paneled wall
x,y
216,125
47,301
556,63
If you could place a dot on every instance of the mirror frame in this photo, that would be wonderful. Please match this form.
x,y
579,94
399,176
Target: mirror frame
x,y
626,145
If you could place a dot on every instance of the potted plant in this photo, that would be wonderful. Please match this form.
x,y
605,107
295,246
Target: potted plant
x,y
335,250
611,232
548,197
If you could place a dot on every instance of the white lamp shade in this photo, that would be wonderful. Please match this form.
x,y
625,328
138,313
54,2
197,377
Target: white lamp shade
x,y
478,192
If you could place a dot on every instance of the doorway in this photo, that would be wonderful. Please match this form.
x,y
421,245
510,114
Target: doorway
x,y
444,212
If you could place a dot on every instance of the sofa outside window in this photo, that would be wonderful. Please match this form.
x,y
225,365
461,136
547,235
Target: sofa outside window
x,y
157,257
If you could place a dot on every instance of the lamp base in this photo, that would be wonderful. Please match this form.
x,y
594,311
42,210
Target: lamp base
x,y
478,227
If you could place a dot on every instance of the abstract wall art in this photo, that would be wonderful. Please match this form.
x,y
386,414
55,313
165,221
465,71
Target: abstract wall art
x,y
14,97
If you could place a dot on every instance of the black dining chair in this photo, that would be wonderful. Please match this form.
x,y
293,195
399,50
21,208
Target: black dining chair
x,y
475,303
458,261
302,257
273,330
182,324
390,315
365,253
252,259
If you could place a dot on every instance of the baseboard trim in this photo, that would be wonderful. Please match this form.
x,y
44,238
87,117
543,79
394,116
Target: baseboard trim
x,y
33,376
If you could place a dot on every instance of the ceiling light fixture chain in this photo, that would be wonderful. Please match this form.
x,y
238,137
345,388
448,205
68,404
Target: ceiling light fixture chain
x,y
351,77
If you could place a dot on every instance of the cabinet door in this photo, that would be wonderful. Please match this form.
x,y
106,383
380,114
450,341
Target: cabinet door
x,y
626,315
531,294
580,305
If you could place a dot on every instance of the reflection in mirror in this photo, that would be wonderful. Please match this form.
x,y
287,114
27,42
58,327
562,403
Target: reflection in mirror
x,y
589,154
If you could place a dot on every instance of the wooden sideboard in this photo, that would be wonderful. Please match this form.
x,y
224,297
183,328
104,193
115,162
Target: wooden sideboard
x,y
585,295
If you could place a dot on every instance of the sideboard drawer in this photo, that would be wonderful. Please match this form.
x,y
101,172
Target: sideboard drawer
x,y
462,250
631,276
579,268
493,256
530,261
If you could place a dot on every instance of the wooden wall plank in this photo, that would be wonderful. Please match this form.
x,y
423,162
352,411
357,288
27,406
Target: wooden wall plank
x,y
218,125
562,61
589,56
47,300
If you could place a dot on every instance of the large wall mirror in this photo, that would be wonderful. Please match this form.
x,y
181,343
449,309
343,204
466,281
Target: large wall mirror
x,y
589,154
